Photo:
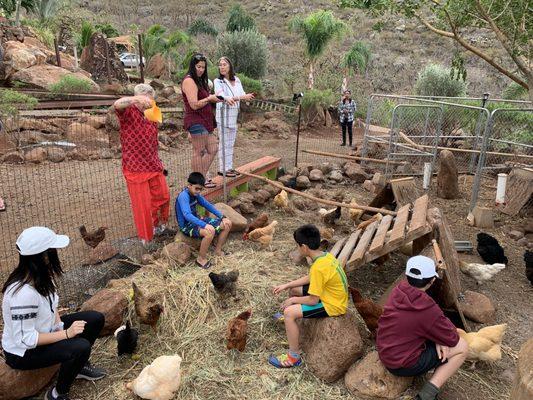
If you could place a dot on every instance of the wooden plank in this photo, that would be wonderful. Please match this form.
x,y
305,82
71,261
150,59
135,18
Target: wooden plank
x,y
348,247
398,231
405,190
381,234
360,250
335,250
420,210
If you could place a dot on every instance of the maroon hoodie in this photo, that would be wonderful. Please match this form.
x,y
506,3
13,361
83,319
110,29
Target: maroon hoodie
x,y
410,318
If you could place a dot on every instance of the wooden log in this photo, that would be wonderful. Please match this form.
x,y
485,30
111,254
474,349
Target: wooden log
x,y
360,250
483,217
348,247
381,234
317,199
398,231
418,219
335,250
407,139
353,158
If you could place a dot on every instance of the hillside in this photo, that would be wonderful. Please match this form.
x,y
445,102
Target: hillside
x,y
400,48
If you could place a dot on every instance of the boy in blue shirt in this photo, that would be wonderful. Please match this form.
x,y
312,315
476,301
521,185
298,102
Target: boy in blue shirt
x,y
192,225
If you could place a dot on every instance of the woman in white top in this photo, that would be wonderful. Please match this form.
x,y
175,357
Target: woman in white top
x,y
228,86
34,335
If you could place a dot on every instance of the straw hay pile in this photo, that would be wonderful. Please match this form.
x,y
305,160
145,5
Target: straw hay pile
x,y
193,326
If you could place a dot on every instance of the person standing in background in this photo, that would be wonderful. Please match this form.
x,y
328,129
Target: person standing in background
x,y
347,109
229,86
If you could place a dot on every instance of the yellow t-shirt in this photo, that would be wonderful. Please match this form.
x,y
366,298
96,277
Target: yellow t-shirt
x,y
327,280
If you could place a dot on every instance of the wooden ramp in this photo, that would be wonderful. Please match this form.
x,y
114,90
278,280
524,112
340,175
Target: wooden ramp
x,y
385,236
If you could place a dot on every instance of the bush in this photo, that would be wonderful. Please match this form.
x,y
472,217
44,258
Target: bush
x,y
239,20
202,26
12,101
107,29
250,85
83,37
515,92
71,84
435,80
247,50
318,98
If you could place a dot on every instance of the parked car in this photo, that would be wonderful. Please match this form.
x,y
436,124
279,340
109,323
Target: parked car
x,y
130,60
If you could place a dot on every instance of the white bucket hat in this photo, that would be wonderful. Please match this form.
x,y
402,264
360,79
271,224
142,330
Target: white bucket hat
x,y
37,239
425,265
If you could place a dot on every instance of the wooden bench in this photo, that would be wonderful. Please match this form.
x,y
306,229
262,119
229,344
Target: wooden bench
x,y
266,165
379,239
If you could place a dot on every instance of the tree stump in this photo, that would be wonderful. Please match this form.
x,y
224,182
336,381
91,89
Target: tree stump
x,y
447,177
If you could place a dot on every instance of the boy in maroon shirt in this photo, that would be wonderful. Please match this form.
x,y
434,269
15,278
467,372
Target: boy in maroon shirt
x,y
413,334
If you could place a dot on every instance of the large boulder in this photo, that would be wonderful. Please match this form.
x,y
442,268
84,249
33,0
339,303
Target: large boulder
x,y
448,176
191,242
18,384
7,144
331,345
478,307
56,154
112,304
303,182
179,252
238,221
94,61
370,378
316,175
86,135
355,172
36,155
157,67
42,76
336,175
523,382
18,56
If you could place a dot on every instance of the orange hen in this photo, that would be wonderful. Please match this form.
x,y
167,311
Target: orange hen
x,y
237,331
369,311
259,222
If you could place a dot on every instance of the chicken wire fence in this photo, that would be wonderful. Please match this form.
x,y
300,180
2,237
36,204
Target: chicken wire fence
x,y
85,186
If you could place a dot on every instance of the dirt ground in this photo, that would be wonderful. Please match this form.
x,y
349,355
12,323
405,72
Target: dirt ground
x,y
73,193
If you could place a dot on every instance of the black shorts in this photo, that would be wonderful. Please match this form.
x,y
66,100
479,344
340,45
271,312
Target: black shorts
x,y
316,311
428,360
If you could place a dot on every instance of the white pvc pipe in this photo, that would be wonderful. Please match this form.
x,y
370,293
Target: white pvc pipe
x,y
500,189
427,175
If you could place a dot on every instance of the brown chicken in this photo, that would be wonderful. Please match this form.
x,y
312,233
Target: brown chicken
x,y
93,238
225,283
364,224
237,331
369,311
259,222
147,308
355,213
326,236
263,235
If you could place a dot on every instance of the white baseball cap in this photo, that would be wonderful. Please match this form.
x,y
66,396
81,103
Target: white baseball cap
x,y
37,239
425,265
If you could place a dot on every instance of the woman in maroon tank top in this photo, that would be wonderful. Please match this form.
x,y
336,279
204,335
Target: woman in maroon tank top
x,y
199,119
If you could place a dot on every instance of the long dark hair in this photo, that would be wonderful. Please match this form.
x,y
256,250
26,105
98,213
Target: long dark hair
x,y
39,270
201,81
231,73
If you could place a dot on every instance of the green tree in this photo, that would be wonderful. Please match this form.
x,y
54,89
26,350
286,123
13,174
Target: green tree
x,y
436,80
509,21
107,29
318,30
8,7
157,40
239,19
202,26
356,61
247,50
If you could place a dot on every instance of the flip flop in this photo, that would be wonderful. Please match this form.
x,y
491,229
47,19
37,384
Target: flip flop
x,y
278,317
234,171
210,184
279,360
207,265
229,174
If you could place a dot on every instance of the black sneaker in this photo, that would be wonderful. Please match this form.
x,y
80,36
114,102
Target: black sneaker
x,y
48,395
91,373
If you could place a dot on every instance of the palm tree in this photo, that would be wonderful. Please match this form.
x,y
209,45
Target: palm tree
x,y
158,41
317,30
356,60
46,9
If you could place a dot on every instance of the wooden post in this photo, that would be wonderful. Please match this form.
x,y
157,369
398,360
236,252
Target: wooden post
x,y
58,56
107,62
76,61
483,217
141,63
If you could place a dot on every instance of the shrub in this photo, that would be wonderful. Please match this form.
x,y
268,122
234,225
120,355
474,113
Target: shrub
x,y
83,37
247,50
71,84
250,85
239,20
107,29
318,98
515,92
436,80
202,26
12,101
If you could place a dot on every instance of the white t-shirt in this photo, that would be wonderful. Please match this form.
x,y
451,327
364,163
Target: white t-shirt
x,y
27,313
227,90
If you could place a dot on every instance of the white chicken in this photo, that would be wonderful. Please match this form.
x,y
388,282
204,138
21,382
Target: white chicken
x,y
481,272
159,380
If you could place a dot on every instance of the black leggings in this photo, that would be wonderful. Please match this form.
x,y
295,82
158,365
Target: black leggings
x,y
73,353
345,124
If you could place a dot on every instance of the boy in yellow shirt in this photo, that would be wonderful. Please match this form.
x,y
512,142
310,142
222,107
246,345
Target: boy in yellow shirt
x,y
322,293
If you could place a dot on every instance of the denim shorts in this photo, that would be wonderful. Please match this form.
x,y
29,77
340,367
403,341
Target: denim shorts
x,y
198,129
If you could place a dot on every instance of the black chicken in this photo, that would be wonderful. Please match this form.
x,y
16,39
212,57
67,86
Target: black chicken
x,y
528,258
490,250
126,339
225,283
